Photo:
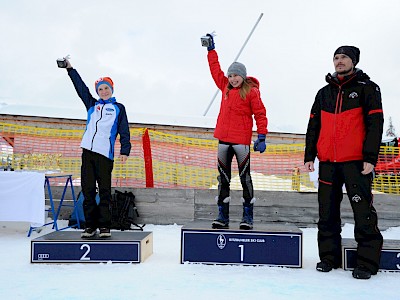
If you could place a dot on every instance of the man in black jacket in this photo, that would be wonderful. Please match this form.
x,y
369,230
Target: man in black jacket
x,y
344,131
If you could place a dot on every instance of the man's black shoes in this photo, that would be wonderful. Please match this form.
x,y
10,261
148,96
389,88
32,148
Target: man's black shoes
x,y
361,272
324,266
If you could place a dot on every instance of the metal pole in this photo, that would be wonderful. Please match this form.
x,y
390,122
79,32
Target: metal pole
x,y
237,56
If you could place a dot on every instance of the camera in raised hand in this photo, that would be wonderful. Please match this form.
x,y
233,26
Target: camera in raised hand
x,y
208,41
63,62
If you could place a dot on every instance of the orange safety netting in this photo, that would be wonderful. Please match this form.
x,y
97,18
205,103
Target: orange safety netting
x,y
164,160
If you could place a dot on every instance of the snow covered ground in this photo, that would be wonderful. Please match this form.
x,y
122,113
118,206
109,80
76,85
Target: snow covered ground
x,y
161,276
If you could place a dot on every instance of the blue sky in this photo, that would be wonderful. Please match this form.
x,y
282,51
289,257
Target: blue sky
x,y
152,51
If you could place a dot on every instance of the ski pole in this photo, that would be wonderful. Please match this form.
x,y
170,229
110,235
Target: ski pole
x,y
237,56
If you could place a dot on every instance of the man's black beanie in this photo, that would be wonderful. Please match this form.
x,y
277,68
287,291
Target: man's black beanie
x,y
350,51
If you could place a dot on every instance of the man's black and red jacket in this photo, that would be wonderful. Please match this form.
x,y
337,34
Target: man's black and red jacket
x,y
346,120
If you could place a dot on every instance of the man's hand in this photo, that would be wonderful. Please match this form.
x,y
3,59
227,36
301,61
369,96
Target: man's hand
x,y
123,158
367,168
309,166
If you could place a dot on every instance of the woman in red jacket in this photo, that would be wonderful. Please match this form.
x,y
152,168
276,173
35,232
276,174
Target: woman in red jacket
x,y
240,102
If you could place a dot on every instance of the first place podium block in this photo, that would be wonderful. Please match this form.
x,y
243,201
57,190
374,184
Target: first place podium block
x,y
390,255
266,244
69,247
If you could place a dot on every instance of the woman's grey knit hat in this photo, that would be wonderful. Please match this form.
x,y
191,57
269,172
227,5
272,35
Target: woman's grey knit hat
x,y
238,69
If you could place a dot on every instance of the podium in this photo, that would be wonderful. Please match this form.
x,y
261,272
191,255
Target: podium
x,y
69,247
390,255
266,244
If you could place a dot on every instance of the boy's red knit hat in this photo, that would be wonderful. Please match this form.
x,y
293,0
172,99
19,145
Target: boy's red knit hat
x,y
104,80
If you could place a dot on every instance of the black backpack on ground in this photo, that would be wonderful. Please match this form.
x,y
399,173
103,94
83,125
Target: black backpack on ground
x,y
124,211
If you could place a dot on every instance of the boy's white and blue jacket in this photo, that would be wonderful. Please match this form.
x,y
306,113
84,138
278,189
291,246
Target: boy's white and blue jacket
x,y
106,119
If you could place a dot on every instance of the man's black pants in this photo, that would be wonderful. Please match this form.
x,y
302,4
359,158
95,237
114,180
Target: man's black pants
x,y
332,176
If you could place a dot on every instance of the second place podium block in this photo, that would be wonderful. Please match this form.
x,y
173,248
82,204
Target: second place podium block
x,y
69,247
